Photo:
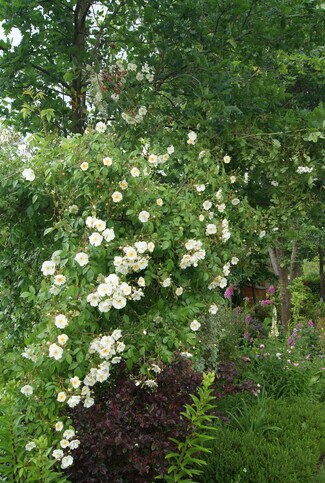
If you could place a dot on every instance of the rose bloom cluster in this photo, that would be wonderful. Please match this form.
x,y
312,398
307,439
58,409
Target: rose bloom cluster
x,y
102,232
134,259
113,293
67,443
109,348
194,254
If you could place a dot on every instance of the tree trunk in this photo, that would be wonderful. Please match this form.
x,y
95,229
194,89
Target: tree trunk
x,y
294,265
321,273
276,254
78,101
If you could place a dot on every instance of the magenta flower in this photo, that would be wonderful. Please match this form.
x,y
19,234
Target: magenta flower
x,y
311,323
229,292
271,289
248,318
266,302
291,341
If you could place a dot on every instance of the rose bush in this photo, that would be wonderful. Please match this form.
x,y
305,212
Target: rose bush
x,y
134,268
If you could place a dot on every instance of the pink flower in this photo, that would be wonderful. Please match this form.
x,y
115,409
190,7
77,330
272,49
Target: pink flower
x,y
262,346
229,292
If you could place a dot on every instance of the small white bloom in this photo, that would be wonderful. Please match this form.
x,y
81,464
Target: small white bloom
x,y
123,184
153,159
89,401
144,216
262,234
57,454
62,339
58,426
100,127
234,261
82,258
155,368
195,325
91,221
151,247
201,218
29,446
74,444
59,280
226,159
233,179
192,137
200,187
117,197
170,149
61,321
100,225
107,161
95,239
166,282
142,111
188,355
213,309
141,282
211,229
75,382
48,268
55,351
108,234
105,306
73,401
201,154
27,390
179,291
68,434
61,397
207,205
64,443
235,201
28,174
221,208
159,202
66,462
54,290
84,166
135,172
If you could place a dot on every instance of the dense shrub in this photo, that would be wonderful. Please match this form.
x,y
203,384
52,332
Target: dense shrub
x,y
250,457
125,436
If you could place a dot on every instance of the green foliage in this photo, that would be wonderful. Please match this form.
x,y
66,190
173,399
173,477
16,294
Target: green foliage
x,y
186,459
243,455
252,418
302,301
18,463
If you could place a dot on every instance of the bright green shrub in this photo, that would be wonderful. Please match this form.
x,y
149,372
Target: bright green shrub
x,y
290,455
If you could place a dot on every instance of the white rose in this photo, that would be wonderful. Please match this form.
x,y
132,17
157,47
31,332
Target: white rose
x,y
28,174
48,268
95,239
211,229
195,325
66,462
82,258
135,172
117,197
100,127
144,216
